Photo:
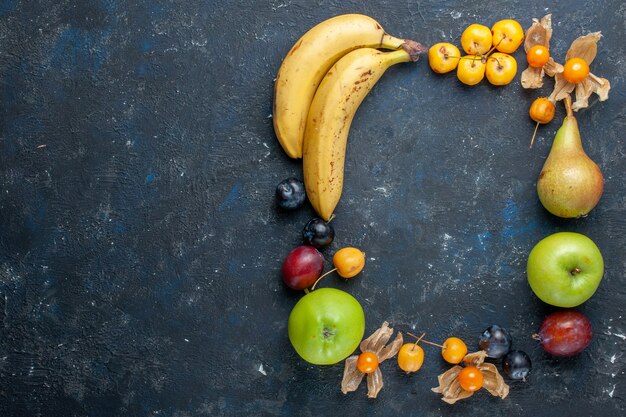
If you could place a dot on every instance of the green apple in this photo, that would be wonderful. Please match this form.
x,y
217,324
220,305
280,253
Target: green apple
x,y
565,269
326,326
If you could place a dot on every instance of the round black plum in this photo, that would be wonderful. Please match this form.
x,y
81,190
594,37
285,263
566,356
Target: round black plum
x,y
318,233
516,364
290,193
496,341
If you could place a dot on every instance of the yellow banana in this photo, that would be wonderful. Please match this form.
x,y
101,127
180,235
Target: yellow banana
x,y
306,64
336,101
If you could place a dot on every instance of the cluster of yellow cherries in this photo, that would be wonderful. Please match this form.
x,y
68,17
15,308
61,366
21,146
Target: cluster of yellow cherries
x,y
480,42
500,68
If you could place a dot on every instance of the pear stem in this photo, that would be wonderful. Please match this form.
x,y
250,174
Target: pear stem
x,y
568,106
532,140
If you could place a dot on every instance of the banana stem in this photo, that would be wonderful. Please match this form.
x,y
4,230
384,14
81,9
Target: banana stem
x,y
396,57
390,42
414,49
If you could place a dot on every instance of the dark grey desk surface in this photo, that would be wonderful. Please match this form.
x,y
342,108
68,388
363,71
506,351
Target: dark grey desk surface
x,y
140,246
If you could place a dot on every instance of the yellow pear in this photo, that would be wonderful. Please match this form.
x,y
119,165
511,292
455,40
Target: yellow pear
x,y
570,183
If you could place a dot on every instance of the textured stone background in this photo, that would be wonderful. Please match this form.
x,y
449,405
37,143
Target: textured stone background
x,y
140,246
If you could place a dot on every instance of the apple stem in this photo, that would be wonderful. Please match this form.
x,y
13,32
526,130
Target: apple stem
x,y
424,341
575,271
320,278
536,337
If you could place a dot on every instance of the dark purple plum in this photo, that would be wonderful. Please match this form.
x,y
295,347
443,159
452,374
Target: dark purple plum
x,y
290,193
318,233
516,364
496,341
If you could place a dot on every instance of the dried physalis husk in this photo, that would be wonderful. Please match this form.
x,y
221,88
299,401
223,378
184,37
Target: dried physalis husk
x,y
552,68
450,388
493,381
593,84
352,377
539,33
377,344
476,358
585,47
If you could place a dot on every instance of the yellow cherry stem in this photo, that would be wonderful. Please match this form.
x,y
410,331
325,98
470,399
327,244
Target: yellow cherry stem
x,y
532,140
418,340
320,278
425,341
495,46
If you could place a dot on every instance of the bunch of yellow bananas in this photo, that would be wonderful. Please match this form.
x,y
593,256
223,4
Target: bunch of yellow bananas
x,y
320,85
